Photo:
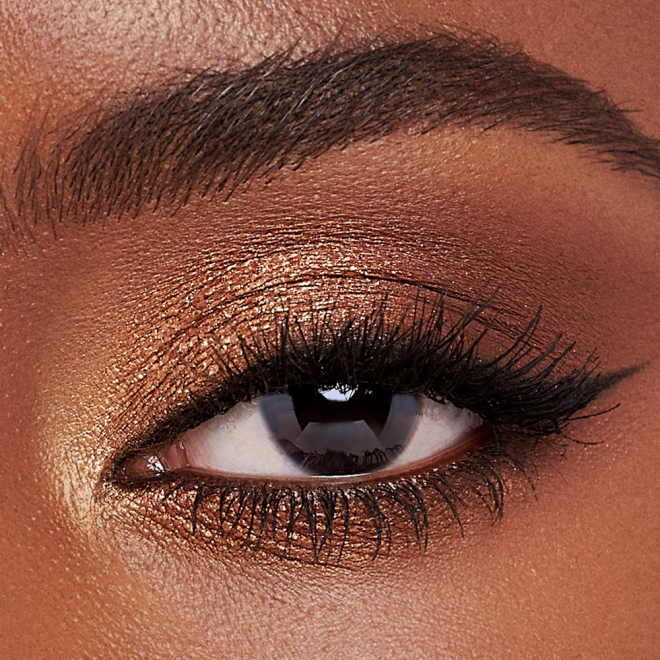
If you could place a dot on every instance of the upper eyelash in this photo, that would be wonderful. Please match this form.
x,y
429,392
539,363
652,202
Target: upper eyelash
x,y
524,393
522,389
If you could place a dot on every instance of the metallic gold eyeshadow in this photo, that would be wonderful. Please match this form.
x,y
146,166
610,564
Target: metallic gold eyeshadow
x,y
177,297
330,523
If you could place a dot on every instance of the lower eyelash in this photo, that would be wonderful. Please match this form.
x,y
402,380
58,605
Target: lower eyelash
x,y
331,524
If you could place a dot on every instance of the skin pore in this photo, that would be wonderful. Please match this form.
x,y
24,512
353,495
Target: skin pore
x,y
97,317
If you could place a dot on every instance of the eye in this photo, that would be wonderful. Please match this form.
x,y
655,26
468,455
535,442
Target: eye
x,y
338,441
312,432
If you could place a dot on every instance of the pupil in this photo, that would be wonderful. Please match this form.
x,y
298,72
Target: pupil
x,y
341,430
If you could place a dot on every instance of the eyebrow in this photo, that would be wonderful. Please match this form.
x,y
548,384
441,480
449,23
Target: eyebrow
x,y
210,131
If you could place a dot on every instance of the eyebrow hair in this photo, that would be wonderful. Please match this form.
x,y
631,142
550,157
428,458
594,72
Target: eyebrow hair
x,y
210,131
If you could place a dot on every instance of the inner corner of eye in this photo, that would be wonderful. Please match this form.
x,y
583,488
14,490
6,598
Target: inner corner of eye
x,y
317,431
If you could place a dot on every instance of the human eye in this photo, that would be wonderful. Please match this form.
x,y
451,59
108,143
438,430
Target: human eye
x,y
222,303
309,432
345,440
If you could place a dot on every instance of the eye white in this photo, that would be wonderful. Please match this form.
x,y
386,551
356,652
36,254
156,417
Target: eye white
x,y
241,442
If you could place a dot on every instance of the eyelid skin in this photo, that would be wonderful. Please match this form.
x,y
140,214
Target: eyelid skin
x,y
148,324
167,369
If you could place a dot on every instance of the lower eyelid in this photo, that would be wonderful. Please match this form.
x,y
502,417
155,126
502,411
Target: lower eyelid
x,y
347,522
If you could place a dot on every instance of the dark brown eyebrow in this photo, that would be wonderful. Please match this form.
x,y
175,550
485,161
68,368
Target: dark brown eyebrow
x,y
206,132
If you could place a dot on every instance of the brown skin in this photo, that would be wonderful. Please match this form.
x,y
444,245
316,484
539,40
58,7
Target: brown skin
x,y
571,573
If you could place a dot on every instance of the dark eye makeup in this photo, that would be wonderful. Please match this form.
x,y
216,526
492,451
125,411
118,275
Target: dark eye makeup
x,y
526,394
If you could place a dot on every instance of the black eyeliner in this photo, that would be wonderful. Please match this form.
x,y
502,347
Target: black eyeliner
x,y
523,389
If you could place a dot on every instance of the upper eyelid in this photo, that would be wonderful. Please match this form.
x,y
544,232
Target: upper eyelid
x,y
296,514
186,501
525,375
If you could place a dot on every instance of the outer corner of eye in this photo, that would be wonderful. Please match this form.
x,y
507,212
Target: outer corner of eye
x,y
312,433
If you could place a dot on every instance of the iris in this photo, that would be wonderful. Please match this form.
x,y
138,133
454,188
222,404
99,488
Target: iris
x,y
340,430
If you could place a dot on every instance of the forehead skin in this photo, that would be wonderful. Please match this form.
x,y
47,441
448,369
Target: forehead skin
x,y
567,576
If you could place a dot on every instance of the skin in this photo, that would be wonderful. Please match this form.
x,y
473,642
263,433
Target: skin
x,y
571,571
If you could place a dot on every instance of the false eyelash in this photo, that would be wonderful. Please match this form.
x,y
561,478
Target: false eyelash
x,y
525,393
